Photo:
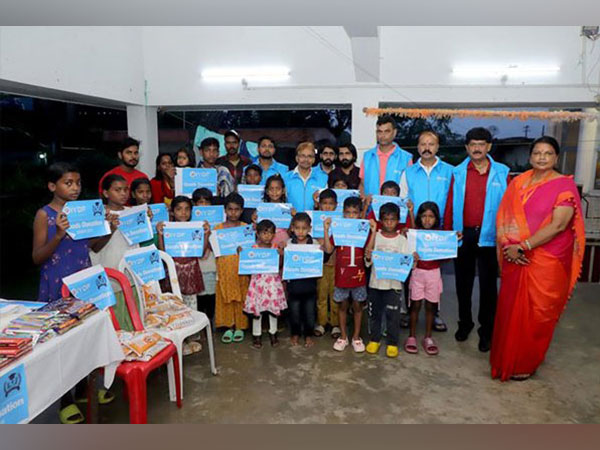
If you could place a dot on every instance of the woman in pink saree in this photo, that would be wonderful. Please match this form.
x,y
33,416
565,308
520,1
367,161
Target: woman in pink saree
x,y
541,241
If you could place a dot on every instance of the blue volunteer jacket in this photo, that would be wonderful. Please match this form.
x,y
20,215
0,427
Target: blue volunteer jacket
x,y
496,185
429,188
398,161
275,168
300,195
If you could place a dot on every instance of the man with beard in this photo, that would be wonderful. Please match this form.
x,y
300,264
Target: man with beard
x,y
427,180
327,155
233,161
345,169
209,152
266,151
129,155
478,184
384,162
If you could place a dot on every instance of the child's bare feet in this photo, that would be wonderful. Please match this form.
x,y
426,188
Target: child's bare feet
x,y
308,342
294,340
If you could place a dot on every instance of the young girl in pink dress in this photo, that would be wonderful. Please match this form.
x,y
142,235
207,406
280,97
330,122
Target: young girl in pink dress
x,y
265,293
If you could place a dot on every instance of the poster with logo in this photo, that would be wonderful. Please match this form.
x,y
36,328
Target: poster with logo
x,y
379,200
302,261
159,214
92,285
350,232
433,245
145,262
184,239
135,224
214,214
14,401
187,180
317,218
258,260
343,194
278,213
86,219
252,194
226,241
392,266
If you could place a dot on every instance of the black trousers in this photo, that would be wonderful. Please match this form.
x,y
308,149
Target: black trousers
x,y
206,304
385,302
471,255
301,312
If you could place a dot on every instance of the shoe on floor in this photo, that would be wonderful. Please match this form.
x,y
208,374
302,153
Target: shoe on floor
x,y
391,351
404,320
358,345
439,324
187,349
319,330
340,345
274,339
373,347
410,345
336,332
484,345
462,334
430,346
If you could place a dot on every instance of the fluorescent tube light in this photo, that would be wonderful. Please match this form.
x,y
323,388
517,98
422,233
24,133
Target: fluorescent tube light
x,y
232,74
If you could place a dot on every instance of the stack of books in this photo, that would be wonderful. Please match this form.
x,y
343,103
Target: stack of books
x,y
12,348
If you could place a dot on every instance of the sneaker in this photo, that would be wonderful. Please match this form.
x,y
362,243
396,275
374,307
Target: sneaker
x,y
373,347
336,332
358,346
340,345
391,351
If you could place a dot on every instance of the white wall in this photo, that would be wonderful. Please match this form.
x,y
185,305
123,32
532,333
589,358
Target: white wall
x,y
103,62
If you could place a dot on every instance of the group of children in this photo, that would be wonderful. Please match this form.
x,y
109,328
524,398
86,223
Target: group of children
x,y
213,285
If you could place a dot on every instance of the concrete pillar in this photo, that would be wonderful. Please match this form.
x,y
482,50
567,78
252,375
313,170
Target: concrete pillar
x,y
363,127
587,150
142,125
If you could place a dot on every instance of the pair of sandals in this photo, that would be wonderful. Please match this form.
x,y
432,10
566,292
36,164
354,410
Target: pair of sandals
x,y
71,414
232,336
429,345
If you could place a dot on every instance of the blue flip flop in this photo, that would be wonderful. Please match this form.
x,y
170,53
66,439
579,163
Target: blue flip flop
x,y
238,336
227,337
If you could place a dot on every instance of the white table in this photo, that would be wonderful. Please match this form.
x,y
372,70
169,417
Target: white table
x,y
56,366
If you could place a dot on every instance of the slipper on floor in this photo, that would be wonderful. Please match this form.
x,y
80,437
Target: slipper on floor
x,y
319,331
70,415
439,324
430,346
238,336
195,346
104,397
410,345
336,332
227,337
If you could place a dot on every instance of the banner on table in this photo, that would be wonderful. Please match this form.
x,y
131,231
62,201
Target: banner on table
x,y
317,218
258,260
159,214
184,239
145,262
432,245
302,261
278,213
214,214
187,180
14,401
379,200
392,266
252,194
350,232
92,285
343,194
225,241
135,224
86,219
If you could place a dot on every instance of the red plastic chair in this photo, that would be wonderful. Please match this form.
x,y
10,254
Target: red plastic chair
x,y
134,373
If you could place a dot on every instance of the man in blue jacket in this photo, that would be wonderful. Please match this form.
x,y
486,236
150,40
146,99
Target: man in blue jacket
x,y
302,182
477,187
266,161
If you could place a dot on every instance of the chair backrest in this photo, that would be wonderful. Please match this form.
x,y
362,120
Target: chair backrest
x,y
130,302
137,281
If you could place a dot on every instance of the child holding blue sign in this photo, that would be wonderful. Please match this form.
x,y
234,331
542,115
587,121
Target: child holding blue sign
x,y
385,295
231,287
141,194
350,279
425,285
208,263
265,292
253,176
275,193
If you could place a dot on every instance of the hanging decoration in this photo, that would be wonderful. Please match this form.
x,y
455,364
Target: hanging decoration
x,y
425,113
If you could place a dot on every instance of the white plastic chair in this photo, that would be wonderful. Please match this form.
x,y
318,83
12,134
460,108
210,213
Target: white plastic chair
x,y
201,320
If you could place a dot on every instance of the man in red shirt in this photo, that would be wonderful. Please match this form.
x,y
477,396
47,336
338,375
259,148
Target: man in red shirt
x,y
477,187
129,155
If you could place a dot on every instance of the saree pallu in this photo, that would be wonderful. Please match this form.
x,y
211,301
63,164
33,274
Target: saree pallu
x,y
532,297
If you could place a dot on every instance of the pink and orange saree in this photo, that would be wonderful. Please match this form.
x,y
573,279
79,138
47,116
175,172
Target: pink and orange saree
x,y
532,297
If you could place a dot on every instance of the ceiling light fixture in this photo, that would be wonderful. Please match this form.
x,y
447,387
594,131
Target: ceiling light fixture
x,y
232,74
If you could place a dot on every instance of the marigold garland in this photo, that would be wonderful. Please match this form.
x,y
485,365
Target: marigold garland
x,y
423,113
